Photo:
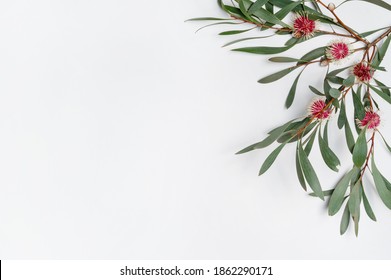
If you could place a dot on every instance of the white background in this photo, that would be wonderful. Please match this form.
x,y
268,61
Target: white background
x,y
118,132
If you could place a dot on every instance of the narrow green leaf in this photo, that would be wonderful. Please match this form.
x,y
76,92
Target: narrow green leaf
x,y
269,17
379,3
316,53
326,133
342,115
345,221
384,193
257,5
337,71
286,10
360,149
314,90
358,106
283,59
338,195
335,93
310,143
381,93
383,87
328,155
388,184
292,92
309,174
276,76
270,159
368,207
325,193
246,39
349,81
263,50
299,170
349,137
267,141
234,32
354,204
385,142
365,34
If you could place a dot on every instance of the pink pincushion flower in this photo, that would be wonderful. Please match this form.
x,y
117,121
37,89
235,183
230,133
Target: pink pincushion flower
x,y
338,50
318,110
363,72
303,26
371,120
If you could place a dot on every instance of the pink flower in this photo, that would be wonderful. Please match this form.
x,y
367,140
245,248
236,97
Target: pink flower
x,y
318,110
371,120
363,72
338,50
303,26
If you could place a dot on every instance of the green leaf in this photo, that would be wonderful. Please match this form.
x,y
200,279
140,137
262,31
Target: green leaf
x,y
310,143
345,220
243,9
299,170
358,106
349,137
257,5
283,59
338,195
314,90
381,93
316,53
385,142
388,184
234,32
269,17
246,39
349,81
335,93
381,52
263,50
383,87
270,159
292,92
287,9
267,141
384,193
207,18
326,133
325,193
368,207
342,115
328,155
365,34
337,71
276,76
309,174
354,204
360,149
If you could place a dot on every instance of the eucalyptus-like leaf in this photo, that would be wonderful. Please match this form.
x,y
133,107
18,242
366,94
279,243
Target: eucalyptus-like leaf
x,y
335,93
267,141
309,174
292,92
246,39
310,143
325,193
348,82
316,53
283,59
349,137
384,193
339,192
269,17
368,208
344,220
358,106
383,87
257,5
360,149
381,93
314,90
354,204
270,159
328,155
263,50
299,170
234,32
342,115
276,76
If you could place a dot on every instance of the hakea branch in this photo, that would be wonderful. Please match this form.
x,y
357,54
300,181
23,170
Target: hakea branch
x,y
305,27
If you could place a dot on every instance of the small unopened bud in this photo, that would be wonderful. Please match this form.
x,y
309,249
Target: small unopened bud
x,y
331,6
324,62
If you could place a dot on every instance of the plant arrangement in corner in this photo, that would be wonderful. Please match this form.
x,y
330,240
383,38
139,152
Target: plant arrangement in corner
x,y
301,21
